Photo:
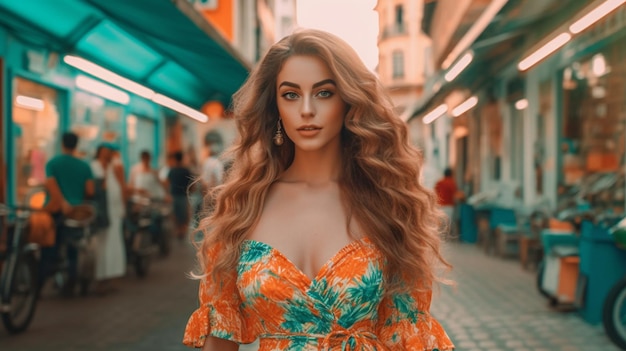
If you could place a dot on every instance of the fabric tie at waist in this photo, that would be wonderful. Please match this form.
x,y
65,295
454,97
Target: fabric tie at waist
x,y
363,340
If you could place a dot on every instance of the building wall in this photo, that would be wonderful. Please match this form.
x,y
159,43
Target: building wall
x,y
285,18
245,35
236,21
410,42
277,19
221,16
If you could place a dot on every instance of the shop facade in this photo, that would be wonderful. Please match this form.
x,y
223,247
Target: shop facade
x,y
100,70
574,115
42,100
545,132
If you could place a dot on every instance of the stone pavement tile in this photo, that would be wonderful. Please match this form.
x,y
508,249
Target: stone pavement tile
x,y
495,305
144,314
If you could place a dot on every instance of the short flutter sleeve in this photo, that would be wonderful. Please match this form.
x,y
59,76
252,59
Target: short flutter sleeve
x,y
405,323
219,314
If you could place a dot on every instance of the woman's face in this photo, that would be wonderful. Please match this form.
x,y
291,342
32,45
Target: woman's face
x,y
105,154
309,104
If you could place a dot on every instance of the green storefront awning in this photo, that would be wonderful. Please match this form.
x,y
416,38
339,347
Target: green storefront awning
x,y
151,42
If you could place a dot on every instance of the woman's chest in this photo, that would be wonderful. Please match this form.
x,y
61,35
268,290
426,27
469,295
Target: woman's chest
x,y
346,290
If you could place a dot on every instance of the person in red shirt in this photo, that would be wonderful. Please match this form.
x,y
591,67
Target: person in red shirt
x,y
446,191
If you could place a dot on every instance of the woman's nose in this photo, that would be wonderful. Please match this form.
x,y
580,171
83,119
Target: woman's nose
x,y
307,109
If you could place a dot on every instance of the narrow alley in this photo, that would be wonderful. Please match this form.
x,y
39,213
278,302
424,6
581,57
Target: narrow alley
x,y
494,306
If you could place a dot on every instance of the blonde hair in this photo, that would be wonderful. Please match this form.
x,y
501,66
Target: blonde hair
x,y
379,181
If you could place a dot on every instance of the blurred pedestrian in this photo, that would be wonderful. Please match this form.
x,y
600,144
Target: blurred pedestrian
x,y
69,182
179,179
322,237
110,247
165,168
212,169
447,193
144,180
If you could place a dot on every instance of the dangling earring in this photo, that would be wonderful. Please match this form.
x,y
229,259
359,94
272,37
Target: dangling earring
x,y
278,136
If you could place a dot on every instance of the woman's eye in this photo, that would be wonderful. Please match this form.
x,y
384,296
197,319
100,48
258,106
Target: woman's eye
x,y
290,95
325,94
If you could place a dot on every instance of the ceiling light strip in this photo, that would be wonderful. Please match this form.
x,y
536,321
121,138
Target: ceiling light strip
x,y
459,67
181,108
465,106
108,76
434,114
102,89
548,48
595,15
128,85
30,103
521,104
590,17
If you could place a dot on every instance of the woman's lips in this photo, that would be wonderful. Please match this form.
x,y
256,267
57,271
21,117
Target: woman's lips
x,y
309,131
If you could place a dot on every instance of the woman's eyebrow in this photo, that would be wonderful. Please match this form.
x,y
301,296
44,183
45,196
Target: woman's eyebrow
x,y
325,81
320,83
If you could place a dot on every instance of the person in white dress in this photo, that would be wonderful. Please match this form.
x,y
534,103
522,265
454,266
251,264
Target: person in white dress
x,y
144,180
212,172
111,252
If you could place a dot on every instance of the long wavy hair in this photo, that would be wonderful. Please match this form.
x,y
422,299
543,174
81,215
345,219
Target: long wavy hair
x,y
379,179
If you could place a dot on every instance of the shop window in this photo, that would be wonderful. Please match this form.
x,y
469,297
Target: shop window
x,y
35,132
592,134
140,132
398,64
517,146
399,20
95,120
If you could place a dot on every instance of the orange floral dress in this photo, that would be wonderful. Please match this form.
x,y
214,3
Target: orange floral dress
x,y
343,308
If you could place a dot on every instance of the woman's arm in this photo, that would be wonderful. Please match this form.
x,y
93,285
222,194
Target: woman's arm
x,y
217,344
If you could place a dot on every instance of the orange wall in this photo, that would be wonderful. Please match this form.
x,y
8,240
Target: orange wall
x,y
222,18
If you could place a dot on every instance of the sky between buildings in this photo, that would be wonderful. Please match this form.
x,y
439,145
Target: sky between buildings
x,y
355,21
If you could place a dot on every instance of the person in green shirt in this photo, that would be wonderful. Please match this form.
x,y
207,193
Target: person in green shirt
x,y
69,182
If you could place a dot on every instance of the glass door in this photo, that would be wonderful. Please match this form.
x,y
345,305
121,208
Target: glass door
x,y
35,134
141,133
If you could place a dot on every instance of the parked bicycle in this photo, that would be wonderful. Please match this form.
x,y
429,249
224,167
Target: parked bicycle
x,y
144,232
18,282
76,231
162,225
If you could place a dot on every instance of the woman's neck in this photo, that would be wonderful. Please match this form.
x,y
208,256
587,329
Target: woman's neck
x,y
313,168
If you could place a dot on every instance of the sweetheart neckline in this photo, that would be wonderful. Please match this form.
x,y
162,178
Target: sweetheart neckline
x,y
332,260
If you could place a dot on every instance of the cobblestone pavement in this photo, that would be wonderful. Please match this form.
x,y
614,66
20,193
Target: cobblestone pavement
x,y
494,306
143,314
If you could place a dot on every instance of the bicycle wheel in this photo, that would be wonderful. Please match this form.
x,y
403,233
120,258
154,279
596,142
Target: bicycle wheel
x,y
19,294
86,266
614,314
539,281
144,249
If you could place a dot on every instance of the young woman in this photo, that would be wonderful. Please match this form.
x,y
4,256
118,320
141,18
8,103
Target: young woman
x,y
322,237
111,253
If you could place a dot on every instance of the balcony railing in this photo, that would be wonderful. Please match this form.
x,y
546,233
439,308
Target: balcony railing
x,y
395,30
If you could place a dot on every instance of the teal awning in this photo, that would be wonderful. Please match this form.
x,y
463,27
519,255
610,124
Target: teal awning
x,y
151,42
518,26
